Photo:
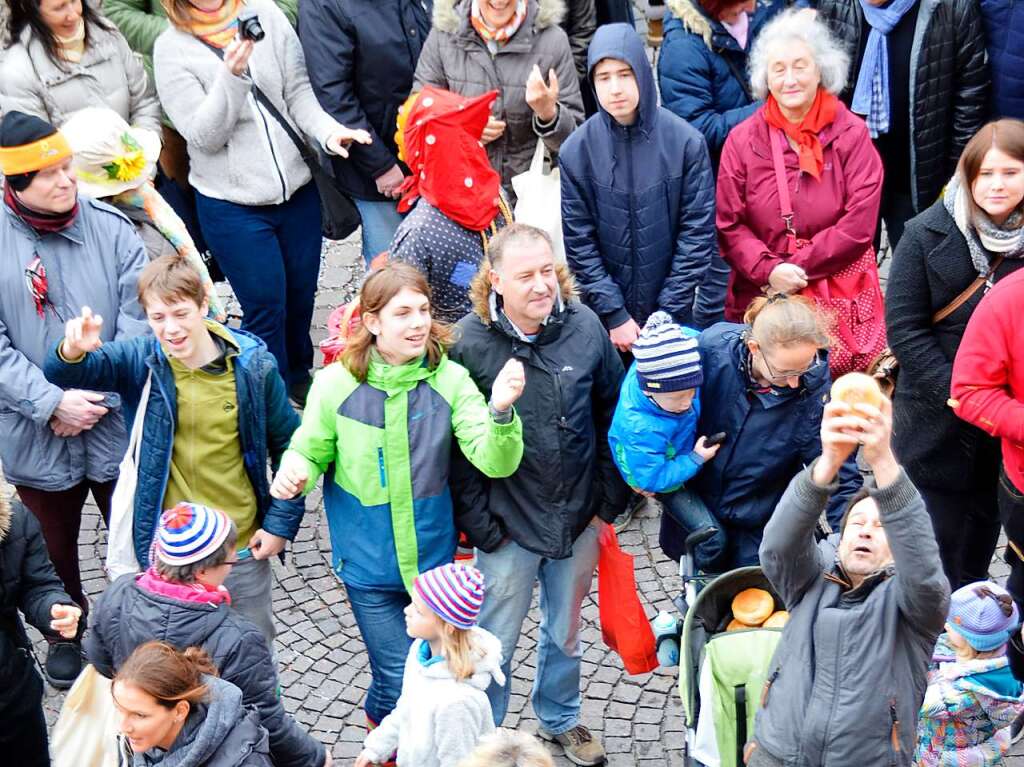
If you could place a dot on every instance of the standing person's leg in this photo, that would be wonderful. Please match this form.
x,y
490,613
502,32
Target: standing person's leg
x,y
102,493
948,512
250,584
897,209
509,575
244,242
982,524
23,739
380,616
301,243
380,220
1011,513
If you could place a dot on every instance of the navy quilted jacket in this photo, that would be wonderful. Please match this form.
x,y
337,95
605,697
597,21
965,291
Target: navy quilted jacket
x,y
638,201
1004,30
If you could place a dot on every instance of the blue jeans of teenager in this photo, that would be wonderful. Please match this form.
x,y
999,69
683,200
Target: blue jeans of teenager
x,y
510,573
380,615
380,220
690,514
271,256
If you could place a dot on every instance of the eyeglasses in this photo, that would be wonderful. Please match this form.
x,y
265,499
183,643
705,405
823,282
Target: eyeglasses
x,y
231,563
781,375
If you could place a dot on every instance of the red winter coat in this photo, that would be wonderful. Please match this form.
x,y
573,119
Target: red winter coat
x,y
838,214
988,373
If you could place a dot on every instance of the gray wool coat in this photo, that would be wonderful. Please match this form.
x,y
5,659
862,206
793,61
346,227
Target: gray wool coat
x,y
456,58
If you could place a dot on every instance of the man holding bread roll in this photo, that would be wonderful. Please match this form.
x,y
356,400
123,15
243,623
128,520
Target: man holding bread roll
x,y
866,606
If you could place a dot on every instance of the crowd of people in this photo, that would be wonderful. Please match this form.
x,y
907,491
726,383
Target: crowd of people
x,y
723,214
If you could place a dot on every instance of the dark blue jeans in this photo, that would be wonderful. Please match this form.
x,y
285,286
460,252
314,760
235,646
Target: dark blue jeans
x,y
380,616
688,513
271,256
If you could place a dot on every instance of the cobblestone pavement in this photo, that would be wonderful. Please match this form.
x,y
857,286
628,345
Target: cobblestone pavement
x,y
323,665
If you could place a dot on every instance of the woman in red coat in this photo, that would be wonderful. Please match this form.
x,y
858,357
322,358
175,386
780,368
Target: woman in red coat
x,y
832,179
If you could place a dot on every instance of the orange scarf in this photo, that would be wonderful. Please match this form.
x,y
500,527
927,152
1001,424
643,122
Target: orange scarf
x,y
217,27
496,36
805,133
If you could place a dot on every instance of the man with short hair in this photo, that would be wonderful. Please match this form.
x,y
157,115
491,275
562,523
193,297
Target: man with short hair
x,y
217,412
541,523
58,250
865,607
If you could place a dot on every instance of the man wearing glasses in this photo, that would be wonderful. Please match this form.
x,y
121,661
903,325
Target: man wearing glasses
x,y
57,251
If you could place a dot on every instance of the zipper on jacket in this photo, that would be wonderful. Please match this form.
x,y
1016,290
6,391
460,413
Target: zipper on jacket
x,y
273,154
632,216
380,467
768,687
894,733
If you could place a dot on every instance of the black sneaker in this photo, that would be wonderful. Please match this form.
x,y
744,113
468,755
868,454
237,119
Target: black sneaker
x,y
63,664
1017,728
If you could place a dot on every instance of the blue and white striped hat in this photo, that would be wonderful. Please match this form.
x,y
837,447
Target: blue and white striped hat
x,y
190,532
666,357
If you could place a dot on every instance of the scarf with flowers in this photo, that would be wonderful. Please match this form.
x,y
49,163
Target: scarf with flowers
x,y
496,37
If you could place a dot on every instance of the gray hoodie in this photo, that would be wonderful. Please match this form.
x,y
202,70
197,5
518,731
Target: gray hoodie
x,y
219,733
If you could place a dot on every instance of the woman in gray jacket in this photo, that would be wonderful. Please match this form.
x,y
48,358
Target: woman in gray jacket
x,y
64,57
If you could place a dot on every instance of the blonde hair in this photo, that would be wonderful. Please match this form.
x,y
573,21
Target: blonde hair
x,y
783,320
458,648
508,748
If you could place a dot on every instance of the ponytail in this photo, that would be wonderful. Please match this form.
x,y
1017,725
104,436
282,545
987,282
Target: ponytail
x,y
167,674
784,320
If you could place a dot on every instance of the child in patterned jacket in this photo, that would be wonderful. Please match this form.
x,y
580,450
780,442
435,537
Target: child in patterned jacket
x,y
972,697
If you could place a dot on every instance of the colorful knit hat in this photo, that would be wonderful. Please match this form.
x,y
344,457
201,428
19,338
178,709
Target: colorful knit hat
x,y
666,356
978,612
28,144
454,592
190,532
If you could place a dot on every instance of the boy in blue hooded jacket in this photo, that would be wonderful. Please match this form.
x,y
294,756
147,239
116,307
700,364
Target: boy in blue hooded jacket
x,y
654,429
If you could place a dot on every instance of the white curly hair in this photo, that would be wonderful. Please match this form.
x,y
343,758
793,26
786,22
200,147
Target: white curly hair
x,y
829,55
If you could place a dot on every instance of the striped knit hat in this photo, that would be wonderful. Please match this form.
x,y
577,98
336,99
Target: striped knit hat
x,y
666,357
984,614
455,592
190,532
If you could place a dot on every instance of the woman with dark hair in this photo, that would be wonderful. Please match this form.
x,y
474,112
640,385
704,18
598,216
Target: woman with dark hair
x,y
386,417
172,709
948,258
64,56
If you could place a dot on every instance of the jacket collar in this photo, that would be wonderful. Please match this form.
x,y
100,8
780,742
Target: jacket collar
x,y
74,233
550,330
100,47
852,595
452,16
762,134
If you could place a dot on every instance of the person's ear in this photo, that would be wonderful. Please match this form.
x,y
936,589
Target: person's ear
x,y
495,279
181,709
372,323
204,307
753,346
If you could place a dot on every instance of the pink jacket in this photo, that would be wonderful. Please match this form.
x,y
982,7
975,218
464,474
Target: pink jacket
x,y
837,214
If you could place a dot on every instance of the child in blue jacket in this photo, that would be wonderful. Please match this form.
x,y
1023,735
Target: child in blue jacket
x,y
654,429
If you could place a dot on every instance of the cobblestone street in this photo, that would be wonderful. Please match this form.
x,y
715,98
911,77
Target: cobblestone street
x,y
323,665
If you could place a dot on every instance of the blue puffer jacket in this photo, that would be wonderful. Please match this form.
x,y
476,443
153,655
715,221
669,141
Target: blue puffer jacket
x,y
265,421
1004,31
638,202
698,67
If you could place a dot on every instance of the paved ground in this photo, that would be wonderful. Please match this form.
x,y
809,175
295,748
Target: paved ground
x,y
322,661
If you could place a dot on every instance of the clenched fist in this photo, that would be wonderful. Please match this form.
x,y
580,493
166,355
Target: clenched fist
x,y
292,476
508,386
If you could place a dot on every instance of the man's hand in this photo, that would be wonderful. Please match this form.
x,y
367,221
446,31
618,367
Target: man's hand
x,y
625,335
62,429
65,620
788,278
364,760
82,335
508,385
328,760
876,436
236,56
705,452
78,409
839,438
542,97
264,545
492,130
338,141
389,181
292,476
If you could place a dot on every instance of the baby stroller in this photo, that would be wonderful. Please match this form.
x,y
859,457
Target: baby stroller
x,y
732,667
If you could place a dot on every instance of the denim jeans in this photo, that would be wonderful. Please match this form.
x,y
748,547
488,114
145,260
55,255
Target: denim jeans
x,y
250,584
380,616
271,256
510,573
380,220
690,513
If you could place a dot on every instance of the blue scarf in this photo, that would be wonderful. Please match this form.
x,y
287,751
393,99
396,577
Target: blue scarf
x,y
871,95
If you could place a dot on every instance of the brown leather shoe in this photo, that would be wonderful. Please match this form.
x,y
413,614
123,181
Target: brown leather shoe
x,y
580,746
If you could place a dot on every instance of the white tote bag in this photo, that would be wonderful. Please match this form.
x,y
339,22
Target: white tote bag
x,y
120,546
86,731
539,199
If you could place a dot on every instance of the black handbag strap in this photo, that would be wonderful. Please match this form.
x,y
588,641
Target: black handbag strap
x,y
739,74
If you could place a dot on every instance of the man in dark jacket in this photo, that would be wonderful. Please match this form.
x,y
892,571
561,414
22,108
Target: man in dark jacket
x,y
866,607
936,96
542,522
28,584
361,55
1004,29
638,196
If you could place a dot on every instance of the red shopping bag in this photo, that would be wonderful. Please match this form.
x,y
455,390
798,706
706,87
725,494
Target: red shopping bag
x,y
624,624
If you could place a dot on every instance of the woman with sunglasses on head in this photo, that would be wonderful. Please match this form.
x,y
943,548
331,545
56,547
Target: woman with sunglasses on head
x,y
765,386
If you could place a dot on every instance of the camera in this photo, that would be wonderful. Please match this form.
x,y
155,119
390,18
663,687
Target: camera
x,y
249,27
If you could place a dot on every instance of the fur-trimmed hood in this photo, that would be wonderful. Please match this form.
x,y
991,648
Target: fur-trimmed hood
x,y
692,18
5,512
448,15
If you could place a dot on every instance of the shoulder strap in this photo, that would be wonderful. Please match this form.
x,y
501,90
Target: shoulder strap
x,y
775,137
971,289
738,73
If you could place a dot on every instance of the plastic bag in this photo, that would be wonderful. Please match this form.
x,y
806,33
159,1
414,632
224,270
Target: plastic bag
x,y
539,200
86,731
624,624
341,324
120,543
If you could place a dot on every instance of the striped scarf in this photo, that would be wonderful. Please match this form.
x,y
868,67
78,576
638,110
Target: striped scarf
x,y
217,27
496,37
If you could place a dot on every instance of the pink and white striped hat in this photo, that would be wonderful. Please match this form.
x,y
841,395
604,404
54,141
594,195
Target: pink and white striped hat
x,y
454,592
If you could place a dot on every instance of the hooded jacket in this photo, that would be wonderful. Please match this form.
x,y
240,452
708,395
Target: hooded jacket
x,y
439,719
702,70
457,59
638,201
218,733
567,475
127,615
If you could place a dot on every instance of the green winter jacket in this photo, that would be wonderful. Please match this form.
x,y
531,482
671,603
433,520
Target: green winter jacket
x,y
388,506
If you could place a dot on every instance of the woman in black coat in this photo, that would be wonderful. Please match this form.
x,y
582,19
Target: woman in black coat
x,y
943,251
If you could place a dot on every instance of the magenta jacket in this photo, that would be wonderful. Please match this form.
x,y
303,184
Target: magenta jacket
x,y
838,215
